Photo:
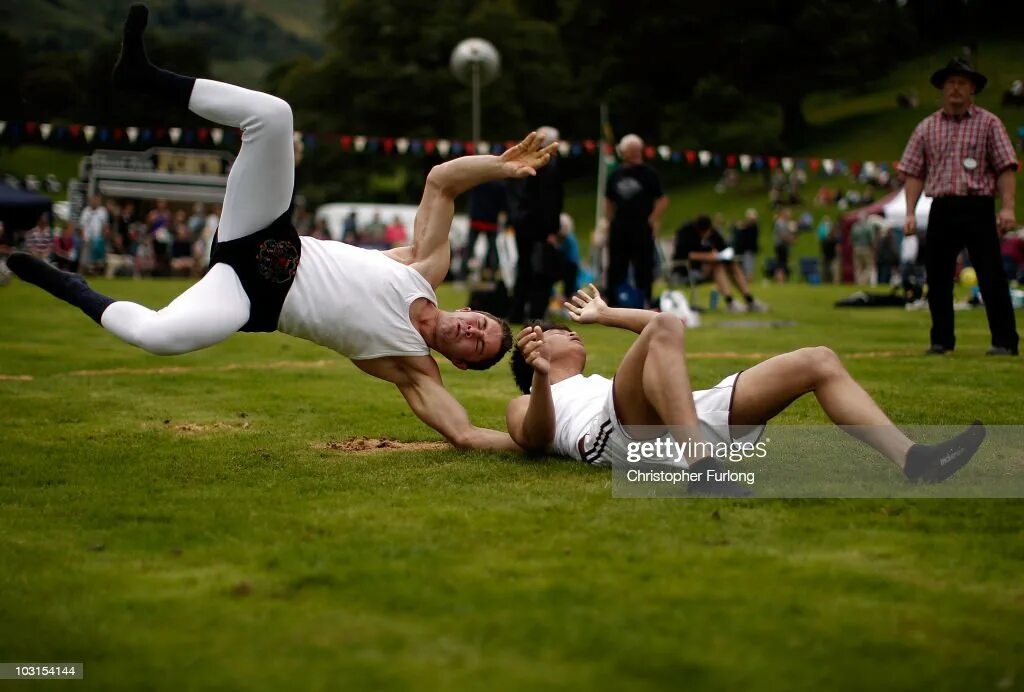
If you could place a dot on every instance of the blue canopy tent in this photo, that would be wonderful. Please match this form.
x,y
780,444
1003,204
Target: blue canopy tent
x,y
20,209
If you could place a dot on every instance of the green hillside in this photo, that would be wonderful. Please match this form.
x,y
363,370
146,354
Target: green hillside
x,y
244,37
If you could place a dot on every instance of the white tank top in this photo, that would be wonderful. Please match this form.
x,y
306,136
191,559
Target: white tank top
x,y
578,401
355,301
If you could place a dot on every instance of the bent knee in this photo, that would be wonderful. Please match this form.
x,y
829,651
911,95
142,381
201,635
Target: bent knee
x,y
666,325
822,360
275,115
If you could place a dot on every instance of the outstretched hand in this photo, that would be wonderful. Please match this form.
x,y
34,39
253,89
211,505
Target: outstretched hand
x,y
584,307
523,160
531,342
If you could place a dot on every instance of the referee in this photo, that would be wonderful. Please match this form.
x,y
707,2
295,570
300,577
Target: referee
x,y
962,156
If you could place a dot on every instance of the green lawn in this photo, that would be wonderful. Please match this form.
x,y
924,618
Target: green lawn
x,y
175,523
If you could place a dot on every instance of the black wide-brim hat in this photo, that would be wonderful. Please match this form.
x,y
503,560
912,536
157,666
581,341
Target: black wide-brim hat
x,y
961,67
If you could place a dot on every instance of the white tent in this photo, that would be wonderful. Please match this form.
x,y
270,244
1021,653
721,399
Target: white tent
x,y
895,210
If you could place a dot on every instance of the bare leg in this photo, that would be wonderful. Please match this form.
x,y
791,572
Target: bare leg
x,y
766,389
652,384
721,279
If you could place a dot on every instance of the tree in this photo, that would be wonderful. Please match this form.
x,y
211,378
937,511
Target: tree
x,y
783,50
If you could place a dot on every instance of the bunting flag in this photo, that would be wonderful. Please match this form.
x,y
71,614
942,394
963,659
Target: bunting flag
x,y
445,148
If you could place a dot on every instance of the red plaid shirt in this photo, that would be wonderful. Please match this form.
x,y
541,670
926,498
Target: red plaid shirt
x,y
941,143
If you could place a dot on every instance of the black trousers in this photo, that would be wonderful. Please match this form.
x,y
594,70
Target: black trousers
x,y
630,246
533,288
953,224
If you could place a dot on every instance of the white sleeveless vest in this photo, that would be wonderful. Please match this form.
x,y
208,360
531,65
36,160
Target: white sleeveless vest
x,y
355,301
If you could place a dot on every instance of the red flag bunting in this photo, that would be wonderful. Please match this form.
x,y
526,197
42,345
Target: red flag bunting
x,y
470,147
30,127
203,134
649,152
346,142
118,134
589,145
815,164
389,144
75,129
773,162
730,160
691,156
429,145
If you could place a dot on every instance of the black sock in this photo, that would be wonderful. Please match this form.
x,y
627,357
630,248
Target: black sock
x,y
728,300
748,297
936,463
69,287
134,72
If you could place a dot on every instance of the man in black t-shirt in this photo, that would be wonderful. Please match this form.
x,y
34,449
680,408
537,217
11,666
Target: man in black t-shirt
x,y
712,259
634,204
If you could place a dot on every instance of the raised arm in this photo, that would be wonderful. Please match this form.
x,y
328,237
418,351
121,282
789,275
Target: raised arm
x,y
436,407
430,251
531,419
590,308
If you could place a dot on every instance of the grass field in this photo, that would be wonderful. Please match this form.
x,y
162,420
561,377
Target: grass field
x,y
177,523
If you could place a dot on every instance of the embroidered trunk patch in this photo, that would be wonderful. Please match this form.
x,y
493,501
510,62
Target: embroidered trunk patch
x,y
277,260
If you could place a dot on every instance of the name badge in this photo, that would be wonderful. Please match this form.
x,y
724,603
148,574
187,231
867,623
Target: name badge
x,y
970,164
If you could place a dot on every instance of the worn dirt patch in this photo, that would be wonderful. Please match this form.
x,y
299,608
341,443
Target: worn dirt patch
x,y
15,378
376,445
195,428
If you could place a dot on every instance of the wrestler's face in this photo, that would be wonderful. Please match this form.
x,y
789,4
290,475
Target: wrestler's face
x,y
468,337
564,343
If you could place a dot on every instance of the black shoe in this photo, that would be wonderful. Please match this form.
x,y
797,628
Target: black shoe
x,y
134,72
714,480
936,463
1001,351
937,350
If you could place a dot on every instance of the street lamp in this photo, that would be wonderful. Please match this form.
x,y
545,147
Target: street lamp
x,y
475,61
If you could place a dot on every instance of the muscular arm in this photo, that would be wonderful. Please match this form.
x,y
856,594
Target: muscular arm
x,y
588,307
531,419
431,255
436,407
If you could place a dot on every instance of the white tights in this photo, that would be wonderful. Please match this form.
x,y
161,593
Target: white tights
x,y
259,190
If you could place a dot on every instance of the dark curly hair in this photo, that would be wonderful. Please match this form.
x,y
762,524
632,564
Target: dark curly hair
x,y
522,371
506,344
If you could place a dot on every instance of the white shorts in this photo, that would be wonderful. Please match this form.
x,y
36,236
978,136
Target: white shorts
x,y
606,441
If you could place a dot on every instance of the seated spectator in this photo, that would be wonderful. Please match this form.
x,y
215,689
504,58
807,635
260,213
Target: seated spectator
x,y
701,249
39,238
66,249
182,260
